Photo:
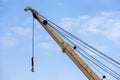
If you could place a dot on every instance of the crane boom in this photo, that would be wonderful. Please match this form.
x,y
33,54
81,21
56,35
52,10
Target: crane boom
x,y
88,72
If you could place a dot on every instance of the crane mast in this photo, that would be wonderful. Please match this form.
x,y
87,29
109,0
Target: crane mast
x,y
82,65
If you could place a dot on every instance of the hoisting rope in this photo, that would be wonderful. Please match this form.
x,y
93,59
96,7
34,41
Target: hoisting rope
x,y
77,44
32,58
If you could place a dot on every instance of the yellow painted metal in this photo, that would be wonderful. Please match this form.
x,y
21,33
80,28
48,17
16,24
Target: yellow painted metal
x,y
88,72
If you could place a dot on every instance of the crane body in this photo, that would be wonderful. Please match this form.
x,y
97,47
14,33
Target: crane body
x,y
82,65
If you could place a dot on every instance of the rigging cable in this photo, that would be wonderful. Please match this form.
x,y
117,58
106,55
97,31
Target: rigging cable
x,y
89,55
90,58
32,58
90,48
94,67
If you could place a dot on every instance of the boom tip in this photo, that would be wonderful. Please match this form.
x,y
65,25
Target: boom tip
x,y
28,8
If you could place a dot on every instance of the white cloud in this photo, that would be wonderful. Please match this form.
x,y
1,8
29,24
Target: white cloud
x,y
106,24
84,17
8,41
46,46
14,35
68,23
21,32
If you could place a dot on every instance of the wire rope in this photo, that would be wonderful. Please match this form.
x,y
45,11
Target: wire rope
x,y
92,49
89,57
32,58
111,72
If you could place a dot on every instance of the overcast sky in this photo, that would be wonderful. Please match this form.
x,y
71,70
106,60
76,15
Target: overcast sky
x,y
96,22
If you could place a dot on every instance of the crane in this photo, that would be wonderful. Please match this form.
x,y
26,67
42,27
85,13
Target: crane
x,y
81,64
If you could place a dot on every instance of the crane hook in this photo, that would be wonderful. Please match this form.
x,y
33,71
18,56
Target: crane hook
x,y
32,60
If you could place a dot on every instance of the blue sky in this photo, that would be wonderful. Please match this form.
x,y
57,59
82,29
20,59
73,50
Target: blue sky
x,y
97,22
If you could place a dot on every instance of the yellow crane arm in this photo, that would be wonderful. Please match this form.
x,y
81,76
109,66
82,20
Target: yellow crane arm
x,y
88,72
